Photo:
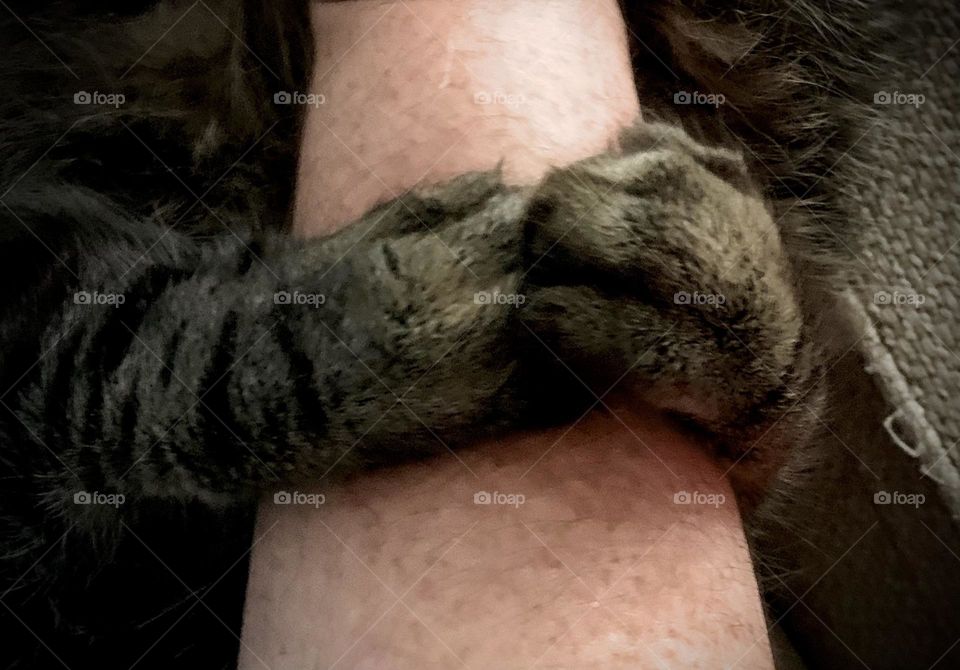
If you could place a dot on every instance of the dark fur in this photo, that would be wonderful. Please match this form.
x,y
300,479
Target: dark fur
x,y
114,206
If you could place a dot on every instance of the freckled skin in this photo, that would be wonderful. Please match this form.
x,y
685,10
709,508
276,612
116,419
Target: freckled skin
x,y
512,586
597,503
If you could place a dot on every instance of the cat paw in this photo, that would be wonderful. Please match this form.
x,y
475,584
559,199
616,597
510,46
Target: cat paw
x,y
660,269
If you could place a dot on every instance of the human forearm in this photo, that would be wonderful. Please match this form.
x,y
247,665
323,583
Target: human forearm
x,y
600,501
582,558
424,90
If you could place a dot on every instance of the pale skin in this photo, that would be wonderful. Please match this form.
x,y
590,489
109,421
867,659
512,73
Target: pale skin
x,y
586,558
